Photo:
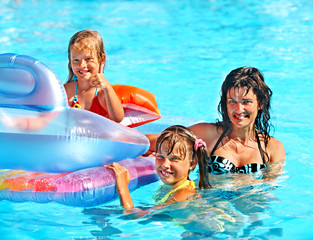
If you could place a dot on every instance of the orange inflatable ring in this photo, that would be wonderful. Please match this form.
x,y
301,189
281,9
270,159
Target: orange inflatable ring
x,y
140,106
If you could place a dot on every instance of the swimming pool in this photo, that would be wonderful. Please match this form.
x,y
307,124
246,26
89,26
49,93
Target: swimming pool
x,y
181,51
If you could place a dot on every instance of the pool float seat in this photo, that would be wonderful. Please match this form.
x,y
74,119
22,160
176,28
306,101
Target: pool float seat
x,y
140,106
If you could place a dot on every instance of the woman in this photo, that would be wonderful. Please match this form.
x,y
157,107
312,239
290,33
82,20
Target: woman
x,y
241,142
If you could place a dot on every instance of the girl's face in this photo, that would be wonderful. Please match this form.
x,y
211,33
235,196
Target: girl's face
x,y
173,169
84,64
242,107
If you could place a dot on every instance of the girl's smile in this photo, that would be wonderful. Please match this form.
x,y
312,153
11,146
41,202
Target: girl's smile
x,y
164,173
84,64
171,166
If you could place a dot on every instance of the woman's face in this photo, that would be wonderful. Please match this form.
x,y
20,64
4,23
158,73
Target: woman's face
x,y
242,107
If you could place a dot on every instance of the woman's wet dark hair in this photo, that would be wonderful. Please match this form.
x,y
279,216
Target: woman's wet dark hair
x,y
249,78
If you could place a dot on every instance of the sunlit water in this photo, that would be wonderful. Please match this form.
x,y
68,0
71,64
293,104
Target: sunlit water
x,y
181,51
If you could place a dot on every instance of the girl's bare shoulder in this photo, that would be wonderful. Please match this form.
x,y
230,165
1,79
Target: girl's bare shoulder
x,y
182,195
69,87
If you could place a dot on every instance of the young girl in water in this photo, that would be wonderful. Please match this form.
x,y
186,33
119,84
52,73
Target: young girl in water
x,y
87,88
177,153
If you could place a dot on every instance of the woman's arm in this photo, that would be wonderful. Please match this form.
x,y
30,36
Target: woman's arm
x,y
152,139
208,132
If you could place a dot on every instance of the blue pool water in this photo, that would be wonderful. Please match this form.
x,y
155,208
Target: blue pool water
x,y
181,51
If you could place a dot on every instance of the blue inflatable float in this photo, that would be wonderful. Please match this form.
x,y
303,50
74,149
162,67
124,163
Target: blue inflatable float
x,y
83,188
40,132
51,152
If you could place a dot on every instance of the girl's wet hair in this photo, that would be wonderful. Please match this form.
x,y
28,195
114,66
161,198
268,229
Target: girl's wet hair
x,y
248,78
187,138
85,40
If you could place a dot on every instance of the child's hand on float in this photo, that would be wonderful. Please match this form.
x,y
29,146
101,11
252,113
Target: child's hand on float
x,y
122,176
122,179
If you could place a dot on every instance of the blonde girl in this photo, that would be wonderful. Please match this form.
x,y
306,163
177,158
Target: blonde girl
x,y
87,88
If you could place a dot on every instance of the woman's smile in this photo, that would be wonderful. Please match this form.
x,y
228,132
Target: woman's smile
x,y
242,106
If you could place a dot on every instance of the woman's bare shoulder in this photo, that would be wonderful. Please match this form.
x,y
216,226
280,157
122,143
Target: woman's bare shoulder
x,y
204,128
276,150
209,132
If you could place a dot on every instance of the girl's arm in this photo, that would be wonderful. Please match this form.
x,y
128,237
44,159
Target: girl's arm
x,y
122,179
114,105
